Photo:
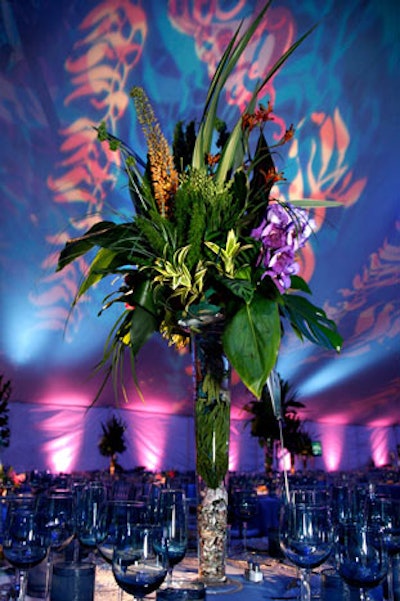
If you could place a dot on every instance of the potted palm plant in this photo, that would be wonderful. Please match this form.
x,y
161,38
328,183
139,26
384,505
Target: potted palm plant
x,y
5,393
265,426
112,441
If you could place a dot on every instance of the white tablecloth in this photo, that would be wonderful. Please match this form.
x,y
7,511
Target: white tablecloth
x,y
279,582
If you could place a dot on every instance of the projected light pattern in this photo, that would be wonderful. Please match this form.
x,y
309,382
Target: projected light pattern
x,y
70,66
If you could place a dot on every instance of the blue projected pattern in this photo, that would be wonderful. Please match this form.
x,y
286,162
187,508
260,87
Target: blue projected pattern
x,y
66,66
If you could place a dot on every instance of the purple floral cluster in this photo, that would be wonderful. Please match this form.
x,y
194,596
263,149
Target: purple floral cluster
x,y
283,231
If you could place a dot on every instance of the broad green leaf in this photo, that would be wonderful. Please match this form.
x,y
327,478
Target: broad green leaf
x,y
99,268
143,297
298,283
143,321
143,325
311,322
240,288
79,246
251,342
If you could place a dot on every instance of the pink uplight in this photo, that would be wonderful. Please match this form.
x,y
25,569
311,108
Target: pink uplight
x,y
149,440
65,432
62,454
332,446
379,446
234,453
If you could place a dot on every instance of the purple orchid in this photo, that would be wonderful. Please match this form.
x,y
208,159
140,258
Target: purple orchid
x,y
283,231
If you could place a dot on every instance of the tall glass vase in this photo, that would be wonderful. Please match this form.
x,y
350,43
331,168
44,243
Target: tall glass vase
x,y
211,372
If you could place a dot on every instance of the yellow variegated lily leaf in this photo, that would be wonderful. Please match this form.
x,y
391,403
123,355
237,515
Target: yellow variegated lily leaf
x,y
229,253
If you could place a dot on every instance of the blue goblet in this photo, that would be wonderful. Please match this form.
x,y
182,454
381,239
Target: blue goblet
x,y
139,560
361,556
24,542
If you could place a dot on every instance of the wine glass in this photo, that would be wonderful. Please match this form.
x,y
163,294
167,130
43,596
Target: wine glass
x,y
361,555
89,508
116,519
139,561
24,541
306,538
56,507
384,512
246,507
172,516
117,516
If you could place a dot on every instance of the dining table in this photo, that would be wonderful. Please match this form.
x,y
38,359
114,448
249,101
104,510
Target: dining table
x,y
279,581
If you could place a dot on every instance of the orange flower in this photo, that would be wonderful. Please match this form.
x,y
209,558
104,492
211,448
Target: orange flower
x,y
213,159
163,173
260,116
272,176
288,135
263,114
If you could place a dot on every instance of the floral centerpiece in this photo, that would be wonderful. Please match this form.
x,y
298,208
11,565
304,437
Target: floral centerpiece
x,y
209,255
9,479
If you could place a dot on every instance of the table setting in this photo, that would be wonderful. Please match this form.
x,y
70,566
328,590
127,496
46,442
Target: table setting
x,y
90,551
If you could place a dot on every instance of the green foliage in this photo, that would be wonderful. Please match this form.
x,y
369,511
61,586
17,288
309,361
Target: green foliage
x,y
264,425
112,440
5,393
196,260
212,436
311,322
183,145
251,341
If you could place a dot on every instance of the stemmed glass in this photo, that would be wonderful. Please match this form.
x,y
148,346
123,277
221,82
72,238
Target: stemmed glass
x,y
384,512
116,519
306,538
246,507
24,541
139,561
117,516
361,556
90,506
57,510
172,516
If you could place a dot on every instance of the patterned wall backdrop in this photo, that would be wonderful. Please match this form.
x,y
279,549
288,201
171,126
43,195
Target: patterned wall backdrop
x,y
66,66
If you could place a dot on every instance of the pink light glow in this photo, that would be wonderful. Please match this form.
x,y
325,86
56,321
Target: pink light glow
x,y
149,441
283,458
234,453
62,451
332,446
66,399
379,446
62,454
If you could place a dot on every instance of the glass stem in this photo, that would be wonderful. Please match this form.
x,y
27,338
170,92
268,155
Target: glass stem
x,y
363,595
245,537
389,580
76,551
168,579
23,581
49,573
305,589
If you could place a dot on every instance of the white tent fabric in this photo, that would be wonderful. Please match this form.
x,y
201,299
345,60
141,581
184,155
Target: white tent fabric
x,y
64,439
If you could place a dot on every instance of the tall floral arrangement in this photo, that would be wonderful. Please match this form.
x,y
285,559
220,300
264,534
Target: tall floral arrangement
x,y
209,239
